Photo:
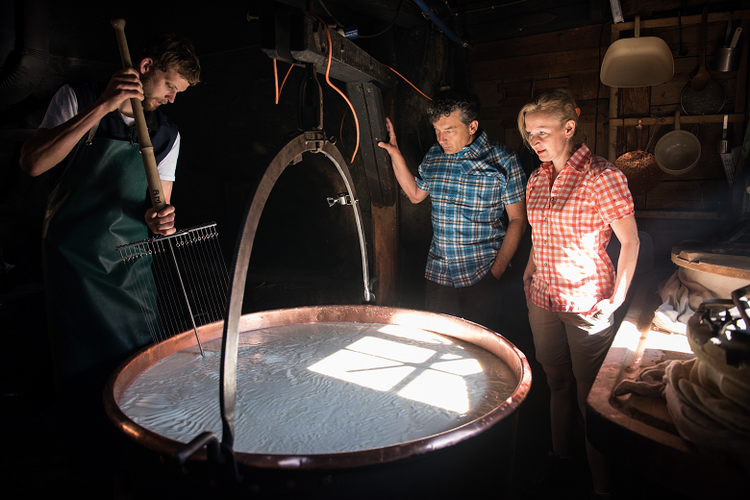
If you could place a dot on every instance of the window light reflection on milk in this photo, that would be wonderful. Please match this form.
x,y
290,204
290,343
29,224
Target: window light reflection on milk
x,y
324,388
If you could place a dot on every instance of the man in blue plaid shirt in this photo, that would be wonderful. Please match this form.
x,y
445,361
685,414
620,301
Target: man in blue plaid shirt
x,y
472,182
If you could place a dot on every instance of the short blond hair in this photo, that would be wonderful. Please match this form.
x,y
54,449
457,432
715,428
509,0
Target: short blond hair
x,y
558,103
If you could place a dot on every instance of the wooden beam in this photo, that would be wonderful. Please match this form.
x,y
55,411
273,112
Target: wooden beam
x,y
385,254
385,240
368,103
586,37
674,22
651,120
349,63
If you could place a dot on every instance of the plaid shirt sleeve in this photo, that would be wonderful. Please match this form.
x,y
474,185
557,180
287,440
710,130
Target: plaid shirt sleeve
x,y
432,157
612,196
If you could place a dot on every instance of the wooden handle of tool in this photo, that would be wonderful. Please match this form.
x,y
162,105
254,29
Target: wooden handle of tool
x,y
704,31
147,150
736,37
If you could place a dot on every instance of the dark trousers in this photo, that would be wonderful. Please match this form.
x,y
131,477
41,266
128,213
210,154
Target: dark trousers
x,y
499,305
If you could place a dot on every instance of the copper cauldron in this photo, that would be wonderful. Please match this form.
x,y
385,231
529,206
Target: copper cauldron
x,y
473,458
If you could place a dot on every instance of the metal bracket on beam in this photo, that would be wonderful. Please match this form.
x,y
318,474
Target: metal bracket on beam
x,y
349,63
314,141
277,25
290,35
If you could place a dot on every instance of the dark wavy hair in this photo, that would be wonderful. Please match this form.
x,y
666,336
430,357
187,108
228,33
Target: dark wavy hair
x,y
452,100
170,52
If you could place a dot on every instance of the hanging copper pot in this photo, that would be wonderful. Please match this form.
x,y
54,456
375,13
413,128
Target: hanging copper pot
x,y
639,166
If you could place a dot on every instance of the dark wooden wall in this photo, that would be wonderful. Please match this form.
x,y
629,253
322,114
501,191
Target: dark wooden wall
x,y
506,74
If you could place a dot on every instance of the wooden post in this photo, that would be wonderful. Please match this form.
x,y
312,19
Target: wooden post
x,y
368,103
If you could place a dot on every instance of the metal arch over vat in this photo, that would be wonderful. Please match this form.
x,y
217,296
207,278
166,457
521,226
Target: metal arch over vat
x,y
314,141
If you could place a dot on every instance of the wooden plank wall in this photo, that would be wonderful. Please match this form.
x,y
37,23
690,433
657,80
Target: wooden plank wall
x,y
506,73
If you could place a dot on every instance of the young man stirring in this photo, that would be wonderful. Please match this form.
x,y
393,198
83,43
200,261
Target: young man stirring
x,y
88,143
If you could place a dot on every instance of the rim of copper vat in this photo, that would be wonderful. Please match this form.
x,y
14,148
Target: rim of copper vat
x,y
441,324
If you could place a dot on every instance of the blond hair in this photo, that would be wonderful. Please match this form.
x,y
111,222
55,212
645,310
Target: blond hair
x,y
558,103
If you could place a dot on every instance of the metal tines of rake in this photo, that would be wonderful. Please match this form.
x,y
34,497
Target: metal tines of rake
x,y
190,284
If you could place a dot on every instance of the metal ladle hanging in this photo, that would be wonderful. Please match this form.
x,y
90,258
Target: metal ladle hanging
x,y
645,151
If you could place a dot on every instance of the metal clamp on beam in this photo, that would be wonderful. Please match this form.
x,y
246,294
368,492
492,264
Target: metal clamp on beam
x,y
314,141
342,199
290,35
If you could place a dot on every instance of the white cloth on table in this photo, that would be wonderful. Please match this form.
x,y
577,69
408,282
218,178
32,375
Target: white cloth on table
x,y
681,296
708,408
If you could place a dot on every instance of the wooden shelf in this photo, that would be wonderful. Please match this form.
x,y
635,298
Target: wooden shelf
x,y
660,120
681,214
638,97
674,22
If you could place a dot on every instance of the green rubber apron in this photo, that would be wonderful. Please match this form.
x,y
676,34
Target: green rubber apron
x,y
96,317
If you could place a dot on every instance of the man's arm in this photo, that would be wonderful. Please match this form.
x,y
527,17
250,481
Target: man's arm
x,y
513,234
626,231
162,222
48,147
403,175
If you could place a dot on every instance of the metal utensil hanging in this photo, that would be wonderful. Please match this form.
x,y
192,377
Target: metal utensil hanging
x,y
702,95
678,151
638,61
727,58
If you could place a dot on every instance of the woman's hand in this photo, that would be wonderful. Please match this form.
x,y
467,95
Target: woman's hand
x,y
527,279
606,307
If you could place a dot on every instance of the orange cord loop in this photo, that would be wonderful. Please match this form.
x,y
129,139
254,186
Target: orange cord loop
x,y
328,80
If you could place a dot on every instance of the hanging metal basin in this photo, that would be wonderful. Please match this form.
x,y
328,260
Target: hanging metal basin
x,y
637,62
678,152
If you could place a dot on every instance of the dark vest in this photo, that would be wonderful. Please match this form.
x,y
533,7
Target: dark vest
x,y
162,131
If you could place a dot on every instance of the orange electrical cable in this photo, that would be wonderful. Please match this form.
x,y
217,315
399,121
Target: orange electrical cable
x,y
328,80
407,81
276,80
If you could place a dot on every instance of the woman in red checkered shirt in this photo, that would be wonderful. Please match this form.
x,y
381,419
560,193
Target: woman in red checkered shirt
x,y
574,201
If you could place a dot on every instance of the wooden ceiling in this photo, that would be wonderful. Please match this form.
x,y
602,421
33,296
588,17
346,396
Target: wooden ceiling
x,y
216,30
480,21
